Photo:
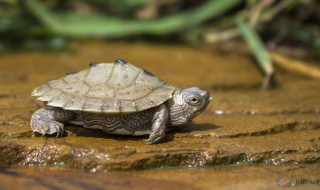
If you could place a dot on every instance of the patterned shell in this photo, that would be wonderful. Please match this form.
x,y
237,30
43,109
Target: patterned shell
x,y
106,88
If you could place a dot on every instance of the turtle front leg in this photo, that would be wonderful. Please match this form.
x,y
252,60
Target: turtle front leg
x,y
159,123
50,120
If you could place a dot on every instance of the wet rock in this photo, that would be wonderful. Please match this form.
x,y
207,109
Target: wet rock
x,y
234,126
242,126
227,177
59,178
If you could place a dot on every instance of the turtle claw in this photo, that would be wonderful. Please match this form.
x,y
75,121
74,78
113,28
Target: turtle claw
x,y
49,128
59,134
59,129
153,139
149,141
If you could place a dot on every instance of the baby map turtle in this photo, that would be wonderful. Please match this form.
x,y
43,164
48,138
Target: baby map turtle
x,y
117,98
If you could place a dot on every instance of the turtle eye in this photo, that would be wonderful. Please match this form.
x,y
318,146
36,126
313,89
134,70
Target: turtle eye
x,y
194,100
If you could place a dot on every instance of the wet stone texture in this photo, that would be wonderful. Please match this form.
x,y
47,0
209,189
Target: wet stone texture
x,y
227,177
244,129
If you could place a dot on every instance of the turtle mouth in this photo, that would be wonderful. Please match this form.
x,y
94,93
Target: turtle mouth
x,y
200,110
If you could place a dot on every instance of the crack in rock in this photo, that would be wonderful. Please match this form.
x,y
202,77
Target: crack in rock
x,y
293,126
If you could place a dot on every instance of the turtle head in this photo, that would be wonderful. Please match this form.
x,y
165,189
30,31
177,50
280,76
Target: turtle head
x,y
186,104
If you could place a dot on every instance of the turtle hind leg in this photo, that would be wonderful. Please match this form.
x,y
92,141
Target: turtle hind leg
x,y
159,123
50,120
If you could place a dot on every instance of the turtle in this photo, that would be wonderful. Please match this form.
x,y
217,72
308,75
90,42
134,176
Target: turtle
x,y
118,98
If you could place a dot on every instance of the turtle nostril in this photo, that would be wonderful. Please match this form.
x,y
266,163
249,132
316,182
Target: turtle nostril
x,y
206,95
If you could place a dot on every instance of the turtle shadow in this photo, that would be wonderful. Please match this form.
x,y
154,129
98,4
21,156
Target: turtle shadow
x,y
195,127
94,133
85,132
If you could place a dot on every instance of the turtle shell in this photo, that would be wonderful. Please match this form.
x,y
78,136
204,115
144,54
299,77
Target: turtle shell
x,y
106,88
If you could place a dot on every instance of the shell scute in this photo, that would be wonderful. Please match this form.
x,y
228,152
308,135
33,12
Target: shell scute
x,y
127,106
101,91
123,76
75,103
107,88
93,105
135,91
111,106
76,89
76,77
56,83
99,74
50,95
149,80
158,96
60,100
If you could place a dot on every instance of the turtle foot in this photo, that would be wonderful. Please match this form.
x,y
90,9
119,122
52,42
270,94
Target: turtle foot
x,y
43,121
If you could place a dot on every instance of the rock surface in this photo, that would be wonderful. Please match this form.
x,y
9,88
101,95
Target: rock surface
x,y
242,126
228,177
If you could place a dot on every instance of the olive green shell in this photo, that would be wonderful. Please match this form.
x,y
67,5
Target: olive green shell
x,y
106,88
